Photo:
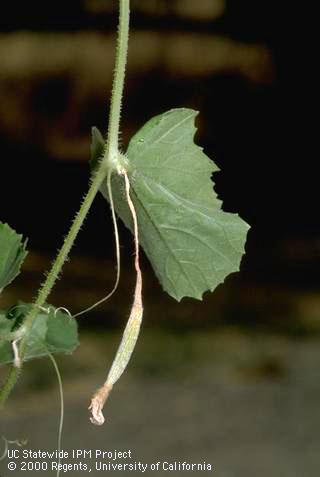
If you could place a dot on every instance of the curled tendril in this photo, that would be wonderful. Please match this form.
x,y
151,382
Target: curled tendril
x,y
62,308
17,442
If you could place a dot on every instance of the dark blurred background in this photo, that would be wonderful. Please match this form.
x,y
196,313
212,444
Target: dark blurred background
x,y
250,349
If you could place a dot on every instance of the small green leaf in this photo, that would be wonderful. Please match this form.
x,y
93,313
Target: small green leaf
x,y
190,241
62,333
53,332
6,355
5,325
97,146
12,254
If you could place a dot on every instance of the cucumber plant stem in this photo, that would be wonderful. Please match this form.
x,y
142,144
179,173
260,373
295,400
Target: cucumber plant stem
x,y
108,161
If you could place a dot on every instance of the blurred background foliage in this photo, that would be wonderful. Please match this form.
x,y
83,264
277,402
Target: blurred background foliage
x,y
238,64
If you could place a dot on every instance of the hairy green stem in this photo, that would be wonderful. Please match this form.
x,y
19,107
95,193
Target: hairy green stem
x,y
109,161
9,384
111,154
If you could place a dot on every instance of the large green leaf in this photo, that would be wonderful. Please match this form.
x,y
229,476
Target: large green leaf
x,y
12,253
190,241
53,332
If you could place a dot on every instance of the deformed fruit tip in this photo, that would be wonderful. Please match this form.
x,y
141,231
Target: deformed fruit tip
x,y
97,403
